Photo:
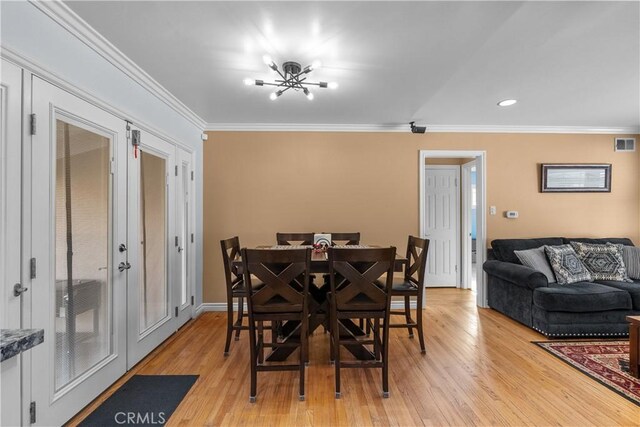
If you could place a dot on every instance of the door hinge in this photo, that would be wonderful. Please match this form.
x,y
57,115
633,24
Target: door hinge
x,y
32,413
33,124
32,268
191,237
191,175
456,268
176,170
176,240
193,300
112,167
176,311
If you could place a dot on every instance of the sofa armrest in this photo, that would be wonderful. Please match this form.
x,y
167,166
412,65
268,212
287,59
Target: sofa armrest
x,y
517,274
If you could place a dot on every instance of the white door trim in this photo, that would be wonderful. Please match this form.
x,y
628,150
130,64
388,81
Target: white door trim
x,y
481,156
466,252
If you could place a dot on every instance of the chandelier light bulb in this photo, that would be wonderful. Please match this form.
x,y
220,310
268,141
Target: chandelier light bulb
x,y
310,96
249,82
267,60
315,65
273,96
332,85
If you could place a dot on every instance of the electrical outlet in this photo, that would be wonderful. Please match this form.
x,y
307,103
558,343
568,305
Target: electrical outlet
x,y
492,210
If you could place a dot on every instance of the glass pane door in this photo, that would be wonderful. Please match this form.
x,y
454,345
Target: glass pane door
x,y
151,212
152,237
82,241
77,222
184,225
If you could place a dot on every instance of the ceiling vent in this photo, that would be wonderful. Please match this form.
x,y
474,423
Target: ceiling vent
x,y
625,144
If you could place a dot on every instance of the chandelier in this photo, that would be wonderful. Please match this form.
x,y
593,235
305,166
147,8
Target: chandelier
x,y
292,76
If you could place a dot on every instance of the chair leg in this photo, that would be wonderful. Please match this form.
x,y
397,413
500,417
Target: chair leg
x,y
419,322
254,360
385,364
376,338
304,339
229,325
335,331
407,314
260,346
240,316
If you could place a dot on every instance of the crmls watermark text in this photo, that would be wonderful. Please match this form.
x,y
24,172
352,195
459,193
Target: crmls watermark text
x,y
139,418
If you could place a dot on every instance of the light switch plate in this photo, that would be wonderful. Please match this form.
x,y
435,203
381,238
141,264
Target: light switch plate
x,y
492,210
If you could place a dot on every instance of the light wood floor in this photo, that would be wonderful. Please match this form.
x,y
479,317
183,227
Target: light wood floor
x,y
480,369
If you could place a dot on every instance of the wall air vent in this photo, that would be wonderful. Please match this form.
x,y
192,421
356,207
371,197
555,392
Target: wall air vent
x,y
625,144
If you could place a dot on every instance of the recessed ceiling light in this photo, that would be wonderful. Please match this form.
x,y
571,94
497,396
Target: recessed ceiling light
x,y
507,102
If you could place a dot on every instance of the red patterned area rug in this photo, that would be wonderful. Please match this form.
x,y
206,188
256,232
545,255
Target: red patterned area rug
x,y
605,361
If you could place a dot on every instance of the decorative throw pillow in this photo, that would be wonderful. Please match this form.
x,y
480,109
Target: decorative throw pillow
x,y
631,257
537,259
604,262
566,265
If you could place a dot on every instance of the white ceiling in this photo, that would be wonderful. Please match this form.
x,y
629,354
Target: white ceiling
x,y
439,63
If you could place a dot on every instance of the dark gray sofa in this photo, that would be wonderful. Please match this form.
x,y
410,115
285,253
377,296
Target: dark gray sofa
x,y
577,310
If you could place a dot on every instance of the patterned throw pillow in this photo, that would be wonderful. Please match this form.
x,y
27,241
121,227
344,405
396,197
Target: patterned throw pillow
x,y
566,265
631,257
604,262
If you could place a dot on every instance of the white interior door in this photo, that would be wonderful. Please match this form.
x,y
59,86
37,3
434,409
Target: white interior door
x,y
184,252
78,197
10,236
153,243
442,224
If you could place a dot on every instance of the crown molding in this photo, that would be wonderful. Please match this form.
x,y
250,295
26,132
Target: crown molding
x,y
300,127
74,24
32,66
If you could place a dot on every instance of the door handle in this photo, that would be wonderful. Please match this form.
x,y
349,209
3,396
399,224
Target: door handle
x,y
123,266
18,289
180,249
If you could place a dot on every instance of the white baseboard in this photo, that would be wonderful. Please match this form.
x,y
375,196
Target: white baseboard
x,y
222,306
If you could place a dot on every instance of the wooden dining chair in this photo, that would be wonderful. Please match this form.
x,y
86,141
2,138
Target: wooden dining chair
x,y
357,292
294,238
412,285
344,238
283,296
235,288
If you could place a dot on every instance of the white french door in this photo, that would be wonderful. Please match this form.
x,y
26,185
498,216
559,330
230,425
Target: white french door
x,y
10,233
185,220
153,246
78,221
442,224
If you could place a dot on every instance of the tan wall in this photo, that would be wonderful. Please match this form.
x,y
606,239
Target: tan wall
x,y
258,183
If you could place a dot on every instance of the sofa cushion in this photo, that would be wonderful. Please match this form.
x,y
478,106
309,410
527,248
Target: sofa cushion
x,y
581,297
503,249
600,241
631,257
604,262
566,265
537,259
632,288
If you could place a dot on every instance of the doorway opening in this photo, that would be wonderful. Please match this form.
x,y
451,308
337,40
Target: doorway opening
x,y
452,217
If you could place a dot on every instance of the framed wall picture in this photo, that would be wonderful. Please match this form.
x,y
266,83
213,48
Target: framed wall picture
x,y
575,178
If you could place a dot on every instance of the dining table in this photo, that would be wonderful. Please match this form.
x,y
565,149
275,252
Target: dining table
x,y
319,304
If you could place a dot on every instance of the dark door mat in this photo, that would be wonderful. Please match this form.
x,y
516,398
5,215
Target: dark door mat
x,y
144,400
